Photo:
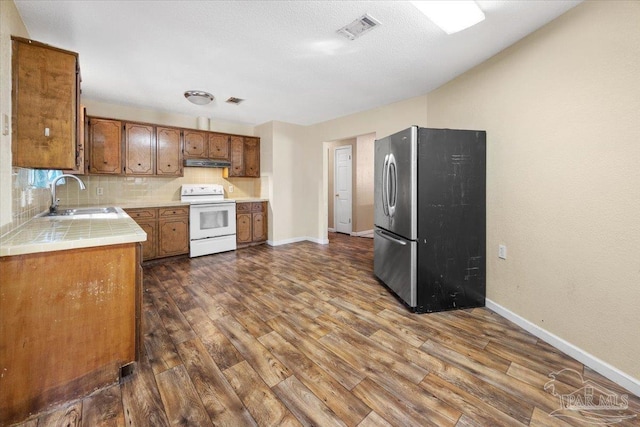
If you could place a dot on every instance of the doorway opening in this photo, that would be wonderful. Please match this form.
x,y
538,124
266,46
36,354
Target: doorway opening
x,y
362,153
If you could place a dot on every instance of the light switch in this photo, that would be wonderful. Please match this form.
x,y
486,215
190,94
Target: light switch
x,y
46,131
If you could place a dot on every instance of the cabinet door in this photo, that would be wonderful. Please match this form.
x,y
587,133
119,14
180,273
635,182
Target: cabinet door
x,y
218,146
139,149
45,106
259,226
147,220
243,228
168,151
174,236
237,156
251,157
105,154
149,247
195,144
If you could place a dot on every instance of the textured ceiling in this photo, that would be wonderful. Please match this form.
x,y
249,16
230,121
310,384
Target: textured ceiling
x,y
284,57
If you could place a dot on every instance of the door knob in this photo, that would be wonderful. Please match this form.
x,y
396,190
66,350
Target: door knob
x,y
337,195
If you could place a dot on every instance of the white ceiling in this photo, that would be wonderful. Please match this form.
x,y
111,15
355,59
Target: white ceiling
x,y
284,57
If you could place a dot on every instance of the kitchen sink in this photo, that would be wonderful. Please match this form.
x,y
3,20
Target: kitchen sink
x,y
108,212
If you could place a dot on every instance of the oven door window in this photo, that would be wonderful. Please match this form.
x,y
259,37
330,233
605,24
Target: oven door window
x,y
214,219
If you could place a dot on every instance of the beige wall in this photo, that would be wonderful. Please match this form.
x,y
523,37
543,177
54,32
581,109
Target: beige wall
x,y
363,188
562,114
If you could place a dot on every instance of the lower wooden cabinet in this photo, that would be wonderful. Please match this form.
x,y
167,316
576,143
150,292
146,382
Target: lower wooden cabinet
x,y
173,231
69,320
251,223
167,230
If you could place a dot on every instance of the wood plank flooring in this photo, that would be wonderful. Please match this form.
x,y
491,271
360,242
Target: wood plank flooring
x,y
303,334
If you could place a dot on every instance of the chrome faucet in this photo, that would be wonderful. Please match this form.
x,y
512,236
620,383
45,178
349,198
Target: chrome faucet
x,y
54,201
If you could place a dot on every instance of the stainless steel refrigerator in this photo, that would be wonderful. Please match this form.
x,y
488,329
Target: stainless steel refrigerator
x,y
430,220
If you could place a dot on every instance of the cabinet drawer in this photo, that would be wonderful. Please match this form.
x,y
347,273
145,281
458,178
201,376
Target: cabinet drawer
x,y
243,207
257,207
175,211
141,213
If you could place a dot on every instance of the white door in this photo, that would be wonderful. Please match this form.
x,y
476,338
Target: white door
x,y
342,186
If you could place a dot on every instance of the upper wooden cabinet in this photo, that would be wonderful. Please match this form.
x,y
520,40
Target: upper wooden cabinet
x,y
195,144
168,152
45,97
139,141
237,156
131,148
245,157
104,146
218,146
251,157
144,149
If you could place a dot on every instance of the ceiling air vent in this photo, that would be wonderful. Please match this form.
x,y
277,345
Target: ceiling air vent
x,y
233,100
358,27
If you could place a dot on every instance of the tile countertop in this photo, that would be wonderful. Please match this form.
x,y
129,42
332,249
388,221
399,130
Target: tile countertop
x,y
47,234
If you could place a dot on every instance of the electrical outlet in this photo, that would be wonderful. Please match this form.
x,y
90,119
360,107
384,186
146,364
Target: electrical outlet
x,y
99,191
502,251
231,189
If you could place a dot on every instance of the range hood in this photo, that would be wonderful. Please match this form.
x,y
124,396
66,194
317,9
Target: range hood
x,y
207,163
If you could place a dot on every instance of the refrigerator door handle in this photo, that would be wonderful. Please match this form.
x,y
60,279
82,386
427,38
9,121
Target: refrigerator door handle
x,y
387,236
392,185
385,177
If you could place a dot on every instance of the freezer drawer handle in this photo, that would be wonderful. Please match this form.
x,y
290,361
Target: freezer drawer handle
x,y
389,237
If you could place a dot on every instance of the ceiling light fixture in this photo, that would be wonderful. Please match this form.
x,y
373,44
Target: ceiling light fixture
x,y
451,16
198,97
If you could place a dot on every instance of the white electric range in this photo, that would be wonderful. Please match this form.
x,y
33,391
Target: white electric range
x,y
212,219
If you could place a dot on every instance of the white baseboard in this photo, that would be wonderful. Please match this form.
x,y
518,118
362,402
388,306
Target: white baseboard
x,y
319,241
331,230
296,240
587,359
366,233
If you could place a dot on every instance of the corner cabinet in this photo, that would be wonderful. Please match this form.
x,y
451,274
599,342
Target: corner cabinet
x,y
245,157
251,223
45,98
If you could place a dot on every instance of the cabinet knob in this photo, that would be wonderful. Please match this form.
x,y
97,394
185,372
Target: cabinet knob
x,y
139,164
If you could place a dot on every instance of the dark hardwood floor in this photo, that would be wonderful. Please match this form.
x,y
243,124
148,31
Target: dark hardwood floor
x,y
303,334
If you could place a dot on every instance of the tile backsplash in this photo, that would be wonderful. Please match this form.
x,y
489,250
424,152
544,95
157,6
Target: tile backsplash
x,y
124,190
28,201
